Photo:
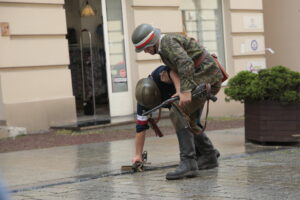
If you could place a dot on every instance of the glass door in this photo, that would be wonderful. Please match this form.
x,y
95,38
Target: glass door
x,y
116,46
87,62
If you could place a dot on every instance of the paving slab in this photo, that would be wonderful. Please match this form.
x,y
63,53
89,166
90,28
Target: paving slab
x,y
91,171
41,166
268,175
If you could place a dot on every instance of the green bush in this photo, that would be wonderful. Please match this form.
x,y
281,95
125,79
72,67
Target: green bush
x,y
277,84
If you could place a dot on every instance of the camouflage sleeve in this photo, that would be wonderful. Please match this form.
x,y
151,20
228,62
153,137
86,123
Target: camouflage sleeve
x,y
182,62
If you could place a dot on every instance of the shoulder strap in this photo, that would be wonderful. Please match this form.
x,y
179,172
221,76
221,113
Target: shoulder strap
x,y
208,90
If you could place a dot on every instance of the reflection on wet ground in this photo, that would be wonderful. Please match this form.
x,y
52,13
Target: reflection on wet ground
x,y
265,175
93,170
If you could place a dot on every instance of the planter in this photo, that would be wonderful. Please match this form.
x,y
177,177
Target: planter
x,y
272,122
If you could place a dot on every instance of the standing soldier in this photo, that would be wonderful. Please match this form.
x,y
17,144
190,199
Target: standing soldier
x,y
194,65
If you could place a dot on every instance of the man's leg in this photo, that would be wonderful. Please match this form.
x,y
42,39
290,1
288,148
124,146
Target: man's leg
x,y
207,155
188,164
205,152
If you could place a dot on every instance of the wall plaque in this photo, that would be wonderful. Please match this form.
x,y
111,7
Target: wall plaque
x,y
253,22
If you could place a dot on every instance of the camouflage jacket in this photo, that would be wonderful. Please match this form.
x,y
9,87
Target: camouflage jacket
x,y
179,52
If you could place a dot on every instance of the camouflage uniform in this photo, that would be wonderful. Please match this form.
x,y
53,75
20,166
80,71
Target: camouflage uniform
x,y
179,52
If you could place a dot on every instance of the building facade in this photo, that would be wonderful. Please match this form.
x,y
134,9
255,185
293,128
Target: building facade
x,y
58,66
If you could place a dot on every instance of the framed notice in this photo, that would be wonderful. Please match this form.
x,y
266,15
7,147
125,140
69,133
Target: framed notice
x,y
253,22
255,66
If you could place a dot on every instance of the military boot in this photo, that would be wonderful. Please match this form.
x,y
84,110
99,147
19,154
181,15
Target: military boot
x,y
188,165
207,155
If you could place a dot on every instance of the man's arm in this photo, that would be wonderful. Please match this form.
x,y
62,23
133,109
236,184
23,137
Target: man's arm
x,y
184,97
176,81
139,146
141,128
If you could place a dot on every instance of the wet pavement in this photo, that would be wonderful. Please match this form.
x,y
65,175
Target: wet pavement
x,y
92,171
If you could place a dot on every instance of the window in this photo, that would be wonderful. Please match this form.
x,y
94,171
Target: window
x,y
203,20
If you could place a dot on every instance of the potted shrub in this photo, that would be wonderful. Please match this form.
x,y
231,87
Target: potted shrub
x,y
272,103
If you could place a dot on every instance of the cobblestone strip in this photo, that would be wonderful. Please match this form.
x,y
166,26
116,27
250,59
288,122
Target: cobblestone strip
x,y
267,175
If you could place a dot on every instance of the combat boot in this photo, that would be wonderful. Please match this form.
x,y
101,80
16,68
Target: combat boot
x,y
208,161
207,155
188,165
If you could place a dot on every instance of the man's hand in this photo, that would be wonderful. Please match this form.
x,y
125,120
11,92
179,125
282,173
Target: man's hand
x,y
185,98
137,158
176,94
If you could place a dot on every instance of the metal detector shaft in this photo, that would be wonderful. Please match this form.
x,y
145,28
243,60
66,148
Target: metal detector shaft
x,y
200,90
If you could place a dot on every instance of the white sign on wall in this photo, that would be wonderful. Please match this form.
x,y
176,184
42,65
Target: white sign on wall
x,y
253,22
252,46
255,66
246,4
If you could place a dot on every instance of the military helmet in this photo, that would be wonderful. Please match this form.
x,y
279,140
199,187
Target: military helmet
x,y
147,93
144,36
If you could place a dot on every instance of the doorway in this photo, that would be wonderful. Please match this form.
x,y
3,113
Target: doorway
x,y
87,62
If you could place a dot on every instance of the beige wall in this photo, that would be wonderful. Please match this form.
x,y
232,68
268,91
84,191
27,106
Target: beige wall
x,y
282,32
2,108
247,33
221,108
35,82
246,4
